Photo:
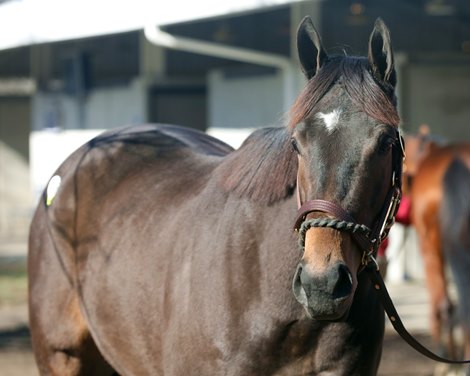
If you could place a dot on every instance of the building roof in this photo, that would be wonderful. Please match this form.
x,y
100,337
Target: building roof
x,y
27,22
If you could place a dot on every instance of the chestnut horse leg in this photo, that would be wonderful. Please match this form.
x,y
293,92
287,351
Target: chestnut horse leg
x,y
440,303
61,340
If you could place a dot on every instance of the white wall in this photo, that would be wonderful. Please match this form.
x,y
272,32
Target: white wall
x,y
48,149
101,109
115,107
439,95
244,102
15,195
232,136
404,258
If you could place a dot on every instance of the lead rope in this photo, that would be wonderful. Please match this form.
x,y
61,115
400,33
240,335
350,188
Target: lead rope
x,y
336,224
361,233
372,269
379,285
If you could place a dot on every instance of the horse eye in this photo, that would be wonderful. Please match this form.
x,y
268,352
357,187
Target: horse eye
x,y
385,145
295,146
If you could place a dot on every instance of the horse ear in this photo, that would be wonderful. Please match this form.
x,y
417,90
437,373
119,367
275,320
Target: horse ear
x,y
381,54
312,55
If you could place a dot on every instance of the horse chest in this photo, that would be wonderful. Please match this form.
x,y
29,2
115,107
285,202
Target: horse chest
x,y
295,349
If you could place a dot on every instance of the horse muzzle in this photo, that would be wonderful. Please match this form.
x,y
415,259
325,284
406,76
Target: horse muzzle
x,y
327,295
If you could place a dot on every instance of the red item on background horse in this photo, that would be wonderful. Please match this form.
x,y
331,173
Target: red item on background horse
x,y
403,217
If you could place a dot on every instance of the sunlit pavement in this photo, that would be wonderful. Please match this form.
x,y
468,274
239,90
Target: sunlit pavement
x,y
411,300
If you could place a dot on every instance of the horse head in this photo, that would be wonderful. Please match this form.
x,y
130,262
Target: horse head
x,y
345,132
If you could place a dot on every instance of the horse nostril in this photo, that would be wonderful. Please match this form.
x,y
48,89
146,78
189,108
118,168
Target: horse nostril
x,y
297,282
304,276
297,287
344,283
337,282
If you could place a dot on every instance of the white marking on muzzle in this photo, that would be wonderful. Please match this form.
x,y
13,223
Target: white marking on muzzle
x,y
330,119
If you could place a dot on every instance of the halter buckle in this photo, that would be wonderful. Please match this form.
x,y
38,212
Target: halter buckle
x,y
390,216
402,144
368,258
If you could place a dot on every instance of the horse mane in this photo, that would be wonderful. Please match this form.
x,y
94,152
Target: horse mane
x,y
264,168
376,99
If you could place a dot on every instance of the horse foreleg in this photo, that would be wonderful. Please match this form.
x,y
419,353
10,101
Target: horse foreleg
x,y
440,304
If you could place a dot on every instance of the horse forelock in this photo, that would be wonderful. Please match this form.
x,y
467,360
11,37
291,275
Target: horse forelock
x,y
264,168
376,99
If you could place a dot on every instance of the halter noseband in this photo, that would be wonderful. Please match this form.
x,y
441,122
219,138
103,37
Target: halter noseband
x,y
368,239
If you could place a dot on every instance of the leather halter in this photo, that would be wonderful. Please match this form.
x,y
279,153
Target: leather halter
x,y
368,240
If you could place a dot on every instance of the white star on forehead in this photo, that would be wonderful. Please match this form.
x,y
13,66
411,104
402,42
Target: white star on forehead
x,y
331,119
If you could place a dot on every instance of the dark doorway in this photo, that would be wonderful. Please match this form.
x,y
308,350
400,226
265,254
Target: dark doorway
x,y
180,105
15,124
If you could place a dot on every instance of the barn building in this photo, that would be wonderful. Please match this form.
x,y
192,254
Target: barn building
x,y
225,69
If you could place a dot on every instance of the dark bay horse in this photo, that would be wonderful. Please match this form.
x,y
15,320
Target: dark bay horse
x,y
440,210
158,250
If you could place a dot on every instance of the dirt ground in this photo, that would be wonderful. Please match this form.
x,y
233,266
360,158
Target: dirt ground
x,y
16,357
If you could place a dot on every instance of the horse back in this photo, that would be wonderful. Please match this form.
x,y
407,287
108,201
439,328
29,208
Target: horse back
x,y
114,165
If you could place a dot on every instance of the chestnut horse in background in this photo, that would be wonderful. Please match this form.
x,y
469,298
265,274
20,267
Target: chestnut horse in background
x,y
439,179
158,250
